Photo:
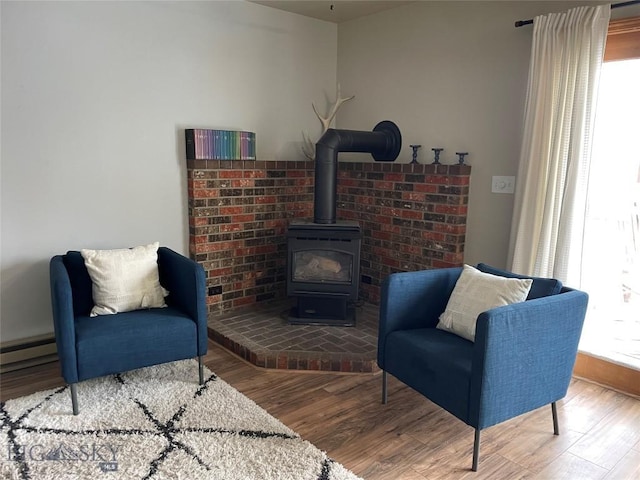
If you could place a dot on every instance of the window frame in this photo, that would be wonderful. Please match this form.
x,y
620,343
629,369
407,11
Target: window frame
x,y
623,43
623,39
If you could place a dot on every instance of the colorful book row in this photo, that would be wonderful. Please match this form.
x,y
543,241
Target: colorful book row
x,y
203,144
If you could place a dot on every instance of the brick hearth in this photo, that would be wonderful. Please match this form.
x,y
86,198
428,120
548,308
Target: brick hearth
x,y
413,217
261,335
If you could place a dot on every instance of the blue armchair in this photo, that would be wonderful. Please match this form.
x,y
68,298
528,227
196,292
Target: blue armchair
x,y
522,357
91,347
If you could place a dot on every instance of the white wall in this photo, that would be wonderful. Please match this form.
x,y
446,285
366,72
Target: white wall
x,y
95,96
452,75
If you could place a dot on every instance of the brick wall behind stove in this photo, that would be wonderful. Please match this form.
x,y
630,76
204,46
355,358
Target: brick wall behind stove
x,y
238,216
413,217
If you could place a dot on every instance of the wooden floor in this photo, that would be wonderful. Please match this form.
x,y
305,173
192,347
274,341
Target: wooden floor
x,y
410,438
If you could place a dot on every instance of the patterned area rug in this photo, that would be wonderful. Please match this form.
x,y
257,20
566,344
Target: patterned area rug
x,y
154,423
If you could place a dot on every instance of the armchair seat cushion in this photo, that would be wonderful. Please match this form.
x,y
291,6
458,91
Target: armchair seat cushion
x,y
434,362
122,342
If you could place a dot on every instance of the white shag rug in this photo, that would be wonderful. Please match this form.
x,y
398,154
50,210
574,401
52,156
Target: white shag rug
x,y
154,423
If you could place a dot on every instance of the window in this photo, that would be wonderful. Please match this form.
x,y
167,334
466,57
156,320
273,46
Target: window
x,y
611,258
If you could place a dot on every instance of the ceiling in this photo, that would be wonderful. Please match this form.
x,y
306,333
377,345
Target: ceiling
x,y
336,11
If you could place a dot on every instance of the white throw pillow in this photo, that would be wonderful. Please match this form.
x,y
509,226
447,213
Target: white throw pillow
x,y
476,292
124,279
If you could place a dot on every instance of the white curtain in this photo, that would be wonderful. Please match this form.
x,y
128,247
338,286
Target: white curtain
x,y
551,189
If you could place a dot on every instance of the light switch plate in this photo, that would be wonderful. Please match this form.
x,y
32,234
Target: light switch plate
x,y
502,184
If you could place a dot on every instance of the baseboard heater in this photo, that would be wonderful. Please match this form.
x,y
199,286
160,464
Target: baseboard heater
x,y
27,352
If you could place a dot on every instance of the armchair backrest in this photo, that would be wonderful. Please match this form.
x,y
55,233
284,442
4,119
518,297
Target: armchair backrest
x,y
541,287
81,286
411,300
80,282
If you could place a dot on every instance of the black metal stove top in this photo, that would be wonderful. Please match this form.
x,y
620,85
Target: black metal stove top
x,y
340,225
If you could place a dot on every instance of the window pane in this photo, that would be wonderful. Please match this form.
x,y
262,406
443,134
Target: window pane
x,y
611,258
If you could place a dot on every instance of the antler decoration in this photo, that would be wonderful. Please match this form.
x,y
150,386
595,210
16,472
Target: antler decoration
x,y
308,147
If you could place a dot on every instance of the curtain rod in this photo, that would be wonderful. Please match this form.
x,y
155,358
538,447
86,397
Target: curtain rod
x,y
522,23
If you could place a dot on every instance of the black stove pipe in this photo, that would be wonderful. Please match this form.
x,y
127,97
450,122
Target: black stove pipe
x,y
383,143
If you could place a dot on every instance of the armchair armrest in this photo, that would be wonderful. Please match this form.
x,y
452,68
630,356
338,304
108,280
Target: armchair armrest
x,y
63,318
185,280
524,355
411,300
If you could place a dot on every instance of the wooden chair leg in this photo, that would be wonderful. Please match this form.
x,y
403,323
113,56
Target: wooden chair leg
x,y
554,412
384,387
200,369
74,397
476,450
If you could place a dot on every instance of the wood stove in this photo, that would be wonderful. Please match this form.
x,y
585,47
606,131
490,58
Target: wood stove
x,y
323,256
323,272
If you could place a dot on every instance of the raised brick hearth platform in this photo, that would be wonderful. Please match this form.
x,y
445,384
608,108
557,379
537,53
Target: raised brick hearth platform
x,y
261,335
412,217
